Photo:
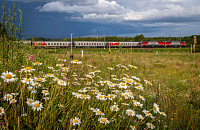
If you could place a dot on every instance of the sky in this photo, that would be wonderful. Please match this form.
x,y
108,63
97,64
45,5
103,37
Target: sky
x,y
152,18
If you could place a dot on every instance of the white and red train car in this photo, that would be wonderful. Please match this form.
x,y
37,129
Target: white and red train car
x,y
101,44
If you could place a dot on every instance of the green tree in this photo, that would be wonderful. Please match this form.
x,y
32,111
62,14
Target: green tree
x,y
34,38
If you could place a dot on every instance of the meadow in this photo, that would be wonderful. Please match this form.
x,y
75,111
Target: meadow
x,y
145,89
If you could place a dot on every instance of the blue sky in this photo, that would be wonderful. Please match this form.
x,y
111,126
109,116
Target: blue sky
x,y
60,18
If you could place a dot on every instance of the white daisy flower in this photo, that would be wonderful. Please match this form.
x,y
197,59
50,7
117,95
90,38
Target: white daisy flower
x,y
45,92
103,120
110,68
114,108
37,106
162,113
156,108
101,97
62,83
50,67
122,85
30,102
132,66
8,77
27,69
13,101
132,127
59,65
46,98
40,79
142,98
76,62
32,89
98,112
76,121
27,80
150,125
147,113
8,97
37,63
130,112
136,103
139,88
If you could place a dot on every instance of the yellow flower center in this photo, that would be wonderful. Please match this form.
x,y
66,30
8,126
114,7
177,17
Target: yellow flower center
x,y
37,63
142,97
49,74
56,79
162,113
130,112
27,68
114,108
84,96
0,110
104,120
45,91
148,82
62,82
27,80
100,96
32,89
111,96
8,76
8,96
37,105
106,80
30,101
58,64
111,83
36,84
126,95
75,121
122,84
107,97
76,60
39,79
130,94
99,112
13,100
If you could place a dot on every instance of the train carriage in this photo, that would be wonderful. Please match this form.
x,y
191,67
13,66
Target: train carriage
x,y
101,44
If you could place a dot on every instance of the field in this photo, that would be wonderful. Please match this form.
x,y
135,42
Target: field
x,y
146,89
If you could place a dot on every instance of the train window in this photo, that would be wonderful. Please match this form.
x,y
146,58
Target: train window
x,y
92,43
81,43
57,43
51,43
87,43
60,43
54,43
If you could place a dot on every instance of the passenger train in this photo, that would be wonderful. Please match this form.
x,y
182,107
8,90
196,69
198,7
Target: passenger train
x,y
101,44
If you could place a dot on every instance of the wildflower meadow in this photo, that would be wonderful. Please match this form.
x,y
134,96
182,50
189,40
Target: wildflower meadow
x,y
100,90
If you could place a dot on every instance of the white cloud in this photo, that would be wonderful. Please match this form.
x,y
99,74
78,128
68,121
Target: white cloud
x,y
110,11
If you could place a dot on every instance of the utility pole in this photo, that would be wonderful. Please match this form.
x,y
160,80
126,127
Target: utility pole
x,y
180,40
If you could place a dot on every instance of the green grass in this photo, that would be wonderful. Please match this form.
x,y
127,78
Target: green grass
x,y
174,75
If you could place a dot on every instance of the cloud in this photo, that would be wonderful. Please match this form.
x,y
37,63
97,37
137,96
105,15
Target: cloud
x,y
110,11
